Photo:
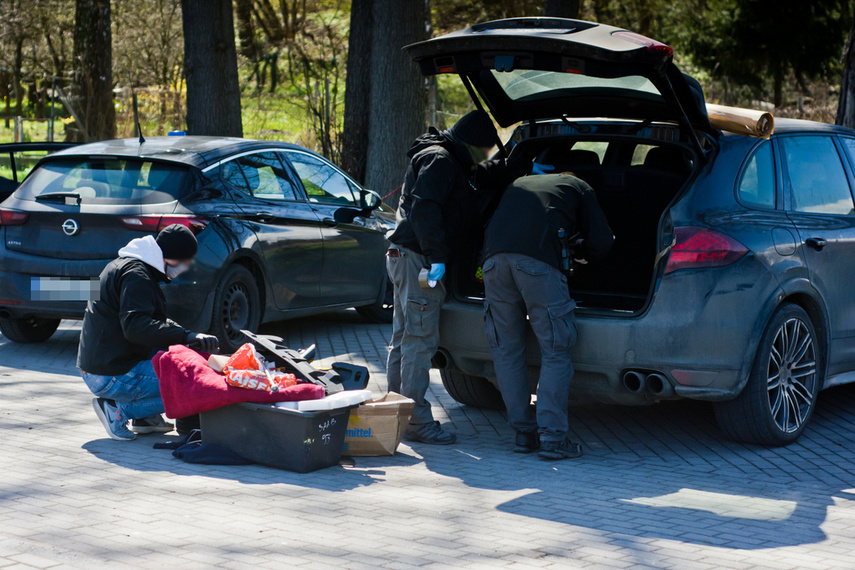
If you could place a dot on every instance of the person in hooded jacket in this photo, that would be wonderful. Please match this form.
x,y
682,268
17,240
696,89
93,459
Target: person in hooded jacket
x,y
126,324
446,189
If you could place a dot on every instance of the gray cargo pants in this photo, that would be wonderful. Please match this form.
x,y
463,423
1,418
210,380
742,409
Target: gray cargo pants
x,y
516,286
415,331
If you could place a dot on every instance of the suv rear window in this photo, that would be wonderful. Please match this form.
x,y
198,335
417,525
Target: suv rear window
x,y
107,181
532,85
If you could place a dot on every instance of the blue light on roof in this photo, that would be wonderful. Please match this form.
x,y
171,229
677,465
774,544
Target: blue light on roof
x,y
176,134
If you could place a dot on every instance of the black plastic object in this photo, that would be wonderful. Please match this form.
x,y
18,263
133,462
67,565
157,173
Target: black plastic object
x,y
276,437
341,376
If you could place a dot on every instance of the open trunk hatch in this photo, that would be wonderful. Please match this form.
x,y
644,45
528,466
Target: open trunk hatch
x,y
542,68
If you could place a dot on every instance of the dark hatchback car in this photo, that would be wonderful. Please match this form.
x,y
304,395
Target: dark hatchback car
x,y
731,276
282,232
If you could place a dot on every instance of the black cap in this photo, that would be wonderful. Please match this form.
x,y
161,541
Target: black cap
x,y
475,128
177,242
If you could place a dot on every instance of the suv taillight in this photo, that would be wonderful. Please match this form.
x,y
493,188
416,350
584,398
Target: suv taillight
x,y
696,247
155,223
13,217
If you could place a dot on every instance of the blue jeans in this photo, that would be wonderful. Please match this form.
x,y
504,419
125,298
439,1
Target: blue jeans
x,y
137,393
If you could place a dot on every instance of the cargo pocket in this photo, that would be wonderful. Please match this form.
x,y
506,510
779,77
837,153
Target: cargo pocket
x,y
563,325
533,267
422,316
490,327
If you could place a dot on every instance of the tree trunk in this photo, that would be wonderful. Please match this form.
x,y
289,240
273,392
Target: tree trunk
x,y
778,89
93,71
846,107
210,66
397,108
562,8
357,93
246,33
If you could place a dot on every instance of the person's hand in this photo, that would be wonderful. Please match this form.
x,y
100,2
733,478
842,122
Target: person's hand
x,y
437,271
203,342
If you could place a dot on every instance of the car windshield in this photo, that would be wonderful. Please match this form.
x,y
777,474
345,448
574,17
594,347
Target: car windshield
x,y
526,85
106,181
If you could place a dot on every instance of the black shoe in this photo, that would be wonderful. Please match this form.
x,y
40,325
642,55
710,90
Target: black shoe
x,y
565,449
526,442
151,424
429,433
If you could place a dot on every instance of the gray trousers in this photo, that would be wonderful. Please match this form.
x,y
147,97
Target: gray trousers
x,y
415,331
517,285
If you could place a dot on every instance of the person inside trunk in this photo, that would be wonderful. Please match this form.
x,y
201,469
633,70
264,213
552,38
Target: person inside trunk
x,y
541,226
127,324
447,186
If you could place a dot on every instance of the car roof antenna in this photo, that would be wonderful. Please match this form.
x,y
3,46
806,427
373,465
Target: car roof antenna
x,y
137,117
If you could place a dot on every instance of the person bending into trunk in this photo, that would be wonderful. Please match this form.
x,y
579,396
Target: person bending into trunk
x,y
523,261
445,189
127,324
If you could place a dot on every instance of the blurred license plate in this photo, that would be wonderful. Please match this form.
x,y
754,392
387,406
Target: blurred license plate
x,y
64,289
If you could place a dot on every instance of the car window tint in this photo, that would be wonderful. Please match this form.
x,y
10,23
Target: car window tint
x,y
6,166
231,174
640,153
757,186
600,147
323,183
817,180
26,160
108,180
266,177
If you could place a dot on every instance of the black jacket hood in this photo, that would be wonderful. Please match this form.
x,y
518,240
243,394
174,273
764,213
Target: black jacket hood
x,y
446,140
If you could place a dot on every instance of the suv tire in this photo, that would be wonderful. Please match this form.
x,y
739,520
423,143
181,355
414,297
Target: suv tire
x,y
382,311
237,306
28,331
780,396
471,390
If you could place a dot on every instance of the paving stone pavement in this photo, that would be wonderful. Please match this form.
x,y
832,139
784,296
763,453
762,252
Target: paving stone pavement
x,y
657,487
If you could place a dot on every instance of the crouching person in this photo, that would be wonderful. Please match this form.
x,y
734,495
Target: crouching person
x,y
524,257
127,324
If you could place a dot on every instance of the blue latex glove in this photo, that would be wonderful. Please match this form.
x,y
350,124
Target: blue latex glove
x,y
437,270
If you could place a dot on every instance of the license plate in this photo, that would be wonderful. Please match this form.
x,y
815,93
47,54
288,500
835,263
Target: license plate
x,y
64,289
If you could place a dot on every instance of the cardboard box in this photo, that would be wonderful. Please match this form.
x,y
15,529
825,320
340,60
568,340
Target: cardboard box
x,y
375,427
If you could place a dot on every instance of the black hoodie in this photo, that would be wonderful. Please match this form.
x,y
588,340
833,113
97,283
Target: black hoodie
x,y
444,194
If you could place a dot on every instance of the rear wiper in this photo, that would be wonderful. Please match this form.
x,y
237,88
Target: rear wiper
x,y
61,197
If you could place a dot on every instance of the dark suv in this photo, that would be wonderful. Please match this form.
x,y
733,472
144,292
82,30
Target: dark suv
x,y
730,278
282,232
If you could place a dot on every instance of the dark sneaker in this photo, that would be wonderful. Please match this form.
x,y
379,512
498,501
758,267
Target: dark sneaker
x,y
111,419
526,442
559,449
429,433
151,424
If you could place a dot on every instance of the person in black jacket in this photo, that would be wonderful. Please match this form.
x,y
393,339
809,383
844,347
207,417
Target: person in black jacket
x,y
523,261
445,189
126,324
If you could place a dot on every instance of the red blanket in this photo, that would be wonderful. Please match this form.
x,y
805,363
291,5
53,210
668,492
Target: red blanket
x,y
189,386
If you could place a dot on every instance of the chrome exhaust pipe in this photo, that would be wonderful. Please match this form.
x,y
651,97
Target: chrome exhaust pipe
x,y
441,359
634,381
659,385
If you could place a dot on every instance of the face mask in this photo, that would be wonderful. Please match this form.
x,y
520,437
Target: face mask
x,y
173,271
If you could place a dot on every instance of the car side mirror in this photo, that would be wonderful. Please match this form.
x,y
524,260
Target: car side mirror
x,y
369,200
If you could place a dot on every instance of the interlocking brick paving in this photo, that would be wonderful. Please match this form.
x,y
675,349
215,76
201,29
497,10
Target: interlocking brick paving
x,y
657,487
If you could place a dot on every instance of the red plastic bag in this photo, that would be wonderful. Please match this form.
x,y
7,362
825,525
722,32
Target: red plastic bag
x,y
246,358
258,380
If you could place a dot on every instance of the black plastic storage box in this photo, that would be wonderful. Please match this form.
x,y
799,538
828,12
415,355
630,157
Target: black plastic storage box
x,y
278,437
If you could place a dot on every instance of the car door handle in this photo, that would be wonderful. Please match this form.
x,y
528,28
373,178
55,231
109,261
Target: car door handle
x,y
816,243
330,222
263,216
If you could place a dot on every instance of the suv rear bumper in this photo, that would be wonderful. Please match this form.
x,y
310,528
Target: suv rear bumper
x,y
698,332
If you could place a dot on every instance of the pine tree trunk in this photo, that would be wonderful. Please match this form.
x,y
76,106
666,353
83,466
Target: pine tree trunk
x,y
562,8
397,108
846,107
357,93
210,66
93,71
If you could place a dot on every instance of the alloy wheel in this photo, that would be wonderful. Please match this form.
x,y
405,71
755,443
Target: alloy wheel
x,y
791,375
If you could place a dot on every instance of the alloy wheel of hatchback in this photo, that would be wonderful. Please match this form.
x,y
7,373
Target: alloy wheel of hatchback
x,y
791,378
780,395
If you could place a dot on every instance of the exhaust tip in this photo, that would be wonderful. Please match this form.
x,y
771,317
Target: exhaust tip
x,y
659,385
634,381
441,359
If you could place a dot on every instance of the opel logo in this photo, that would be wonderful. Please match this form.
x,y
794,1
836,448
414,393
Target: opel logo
x,y
70,227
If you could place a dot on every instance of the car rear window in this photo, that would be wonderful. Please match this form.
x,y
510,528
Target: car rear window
x,y
532,85
107,181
